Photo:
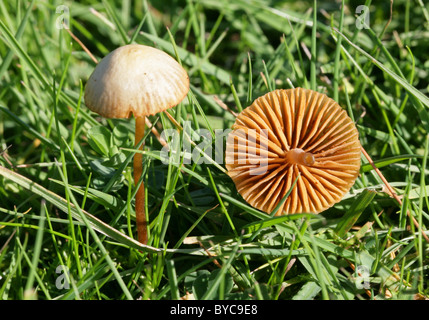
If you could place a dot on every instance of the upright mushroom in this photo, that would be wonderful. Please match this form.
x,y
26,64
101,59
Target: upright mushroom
x,y
136,80
287,133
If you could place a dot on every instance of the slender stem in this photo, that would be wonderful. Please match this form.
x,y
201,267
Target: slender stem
x,y
140,195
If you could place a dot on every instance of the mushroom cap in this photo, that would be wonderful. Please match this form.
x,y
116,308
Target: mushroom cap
x,y
289,133
135,79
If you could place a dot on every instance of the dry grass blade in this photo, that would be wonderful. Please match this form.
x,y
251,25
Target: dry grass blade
x,y
391,191
82,45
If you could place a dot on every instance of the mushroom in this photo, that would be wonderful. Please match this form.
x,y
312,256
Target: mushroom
x,y
287,134
136,80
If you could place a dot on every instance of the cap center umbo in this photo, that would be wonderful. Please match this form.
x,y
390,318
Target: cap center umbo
x,y
299,156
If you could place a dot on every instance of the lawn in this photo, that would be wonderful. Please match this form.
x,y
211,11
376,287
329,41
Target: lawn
x,y
67,219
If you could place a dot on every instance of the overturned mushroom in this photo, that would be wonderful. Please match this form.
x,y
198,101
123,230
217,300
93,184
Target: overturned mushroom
x,y
289,133
136,80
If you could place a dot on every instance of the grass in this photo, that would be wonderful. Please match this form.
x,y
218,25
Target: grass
x,y
66,190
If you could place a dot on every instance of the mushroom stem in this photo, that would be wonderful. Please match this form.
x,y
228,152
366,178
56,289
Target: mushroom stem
x,y
299,156
140,195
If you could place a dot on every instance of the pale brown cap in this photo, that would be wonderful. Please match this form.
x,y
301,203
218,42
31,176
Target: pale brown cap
x,y
287,133
135,79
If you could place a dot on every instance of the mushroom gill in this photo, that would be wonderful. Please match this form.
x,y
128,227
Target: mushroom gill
x,y
289,133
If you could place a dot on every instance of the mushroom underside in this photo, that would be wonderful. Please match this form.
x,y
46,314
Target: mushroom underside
x,y
293,135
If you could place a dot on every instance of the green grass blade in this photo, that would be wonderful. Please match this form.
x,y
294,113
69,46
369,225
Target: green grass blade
x,y
258,225
172,277
61,204
387,161
8,58
21,52
412,90
313,48
353,214
190,59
